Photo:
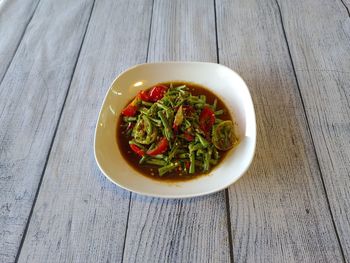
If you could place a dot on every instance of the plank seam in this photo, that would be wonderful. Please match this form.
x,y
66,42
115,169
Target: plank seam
x,y
216,34
126,227
229,225
19,42
346,7
309,130
227,199
131,194
53,139
150,31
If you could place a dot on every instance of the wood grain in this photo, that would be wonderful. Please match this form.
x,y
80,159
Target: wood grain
x,y
31,97
191,230
346,4
14,18
79,216
321,53
279,210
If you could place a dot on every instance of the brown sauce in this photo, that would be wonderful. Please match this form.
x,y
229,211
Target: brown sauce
x,y
151,171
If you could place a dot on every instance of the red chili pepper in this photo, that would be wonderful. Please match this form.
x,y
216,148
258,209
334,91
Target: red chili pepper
x,y
161,147
157,92
143,95
137,150
206,119
130,110
188,137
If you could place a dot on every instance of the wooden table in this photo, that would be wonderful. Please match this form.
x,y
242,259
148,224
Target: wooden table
x,y
57,59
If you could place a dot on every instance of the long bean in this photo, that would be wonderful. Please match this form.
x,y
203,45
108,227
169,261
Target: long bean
x,y
167,129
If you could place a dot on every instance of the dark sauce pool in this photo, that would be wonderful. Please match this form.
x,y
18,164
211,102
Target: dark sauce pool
x,y
151,171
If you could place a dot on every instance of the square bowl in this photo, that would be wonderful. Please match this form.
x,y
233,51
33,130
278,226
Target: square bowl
x,y
222,81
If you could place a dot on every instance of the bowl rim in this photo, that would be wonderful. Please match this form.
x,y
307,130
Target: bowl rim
x,y
174,196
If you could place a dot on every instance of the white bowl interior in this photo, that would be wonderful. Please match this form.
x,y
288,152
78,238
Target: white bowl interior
x,y
224,82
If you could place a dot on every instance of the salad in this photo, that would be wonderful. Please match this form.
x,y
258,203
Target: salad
x,y
170,128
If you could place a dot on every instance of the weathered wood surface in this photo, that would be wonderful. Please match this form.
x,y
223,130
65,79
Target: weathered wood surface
x,y
321,53
346,3
191,230
293,205
79,216
15,15
279,210
31,98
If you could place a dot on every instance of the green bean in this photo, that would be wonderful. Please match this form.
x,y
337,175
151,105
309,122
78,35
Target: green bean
x,y
215,104
153,110
187,124
156,161
203,141
199,105
144,111
143,159
149,104
162,106
137,144
219,112
193,163
160,156
200,152
156,121
194,147
167,129
173,152
167,168
168,101
180,88
206,162
129,119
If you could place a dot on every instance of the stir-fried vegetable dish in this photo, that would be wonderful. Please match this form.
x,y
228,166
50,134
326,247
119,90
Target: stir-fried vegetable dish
x,y
175,129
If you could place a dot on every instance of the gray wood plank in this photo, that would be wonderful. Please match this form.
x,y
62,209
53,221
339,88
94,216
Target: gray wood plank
x,y
79,216
31,97
320,50
279,210
14,18
192,230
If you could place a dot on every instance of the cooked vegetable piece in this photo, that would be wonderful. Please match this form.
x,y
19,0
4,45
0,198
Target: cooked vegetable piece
x,y
206,119
157,92
223,136
144,131
179,117
137,150
143,95
161,147
132,108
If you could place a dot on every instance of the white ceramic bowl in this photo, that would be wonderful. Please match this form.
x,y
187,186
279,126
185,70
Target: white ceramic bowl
x,y
224,82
